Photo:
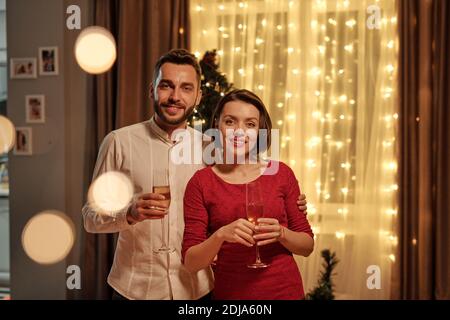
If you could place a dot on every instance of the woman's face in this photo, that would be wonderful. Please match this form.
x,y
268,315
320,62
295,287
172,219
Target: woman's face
x,y
238,124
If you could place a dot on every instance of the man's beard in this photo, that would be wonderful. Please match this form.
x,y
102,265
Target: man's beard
x,y
187,113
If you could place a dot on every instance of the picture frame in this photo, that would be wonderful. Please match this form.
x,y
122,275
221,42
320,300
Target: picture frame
x,y
35,108
23,68
24,141
48,61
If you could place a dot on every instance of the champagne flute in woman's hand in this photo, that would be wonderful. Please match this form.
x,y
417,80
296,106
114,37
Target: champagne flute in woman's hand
x,y
255,210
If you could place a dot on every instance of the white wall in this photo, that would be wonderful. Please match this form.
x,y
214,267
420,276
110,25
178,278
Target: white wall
x,y
4,203
53,177
3,63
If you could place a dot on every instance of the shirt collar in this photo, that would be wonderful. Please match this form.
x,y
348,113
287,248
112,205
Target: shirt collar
x,y
162,134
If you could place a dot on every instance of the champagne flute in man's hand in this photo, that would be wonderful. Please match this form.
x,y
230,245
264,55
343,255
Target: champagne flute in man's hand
x,y
161,186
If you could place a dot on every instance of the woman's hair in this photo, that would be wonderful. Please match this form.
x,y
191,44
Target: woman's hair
x,y
250,98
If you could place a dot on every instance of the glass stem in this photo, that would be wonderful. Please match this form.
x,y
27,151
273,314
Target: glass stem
x,y
164,244
258,259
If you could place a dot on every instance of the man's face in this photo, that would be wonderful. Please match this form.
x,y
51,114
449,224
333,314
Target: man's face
x,y
175,93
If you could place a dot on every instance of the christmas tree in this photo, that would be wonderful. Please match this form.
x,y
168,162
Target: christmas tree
x,y
325,286
214,86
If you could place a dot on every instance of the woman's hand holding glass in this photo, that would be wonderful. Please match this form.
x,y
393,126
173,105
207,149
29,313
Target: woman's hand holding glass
x,y
239,231
268,231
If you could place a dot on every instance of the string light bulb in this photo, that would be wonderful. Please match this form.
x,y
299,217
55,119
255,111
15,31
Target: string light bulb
x,y
340,235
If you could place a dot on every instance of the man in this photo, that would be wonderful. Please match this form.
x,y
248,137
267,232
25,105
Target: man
x,y
139,151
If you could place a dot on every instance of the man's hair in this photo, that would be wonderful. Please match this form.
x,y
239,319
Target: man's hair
x,y
178,56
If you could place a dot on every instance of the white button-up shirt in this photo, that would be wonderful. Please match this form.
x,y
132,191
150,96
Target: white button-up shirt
x,y
137,272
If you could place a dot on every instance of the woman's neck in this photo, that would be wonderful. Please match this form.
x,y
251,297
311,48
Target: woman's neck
x,y
243,168
238,173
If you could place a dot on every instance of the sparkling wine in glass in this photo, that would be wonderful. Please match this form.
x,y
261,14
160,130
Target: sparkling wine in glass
x,y
161,186
255,210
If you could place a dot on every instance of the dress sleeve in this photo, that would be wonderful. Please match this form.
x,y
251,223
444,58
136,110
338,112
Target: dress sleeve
x,y
196,217
296,219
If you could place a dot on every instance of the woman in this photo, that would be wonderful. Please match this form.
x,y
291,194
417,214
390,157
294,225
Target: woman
x,y
216,220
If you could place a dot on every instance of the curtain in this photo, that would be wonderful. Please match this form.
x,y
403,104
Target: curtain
x,y
423,271
441,149
144,30
147,30
327,71
98,249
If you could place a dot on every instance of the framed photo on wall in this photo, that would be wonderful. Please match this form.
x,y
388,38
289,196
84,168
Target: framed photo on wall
x,y
24,141
48,61
35,108
23,68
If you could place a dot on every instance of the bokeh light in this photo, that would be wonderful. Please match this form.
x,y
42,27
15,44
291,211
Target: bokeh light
x,y
95,50
48,237
110,192
7,135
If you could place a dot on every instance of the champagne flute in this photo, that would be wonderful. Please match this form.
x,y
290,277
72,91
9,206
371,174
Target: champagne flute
x,y
161,185
255,210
